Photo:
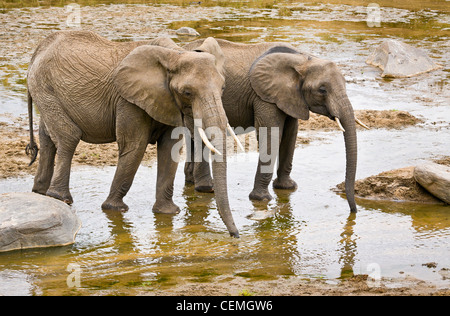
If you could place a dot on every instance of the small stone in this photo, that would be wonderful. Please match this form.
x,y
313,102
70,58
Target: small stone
x,y
30,220
189,31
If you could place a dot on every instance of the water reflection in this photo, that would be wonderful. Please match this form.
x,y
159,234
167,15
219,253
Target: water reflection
x,y
121,234
425,218
198,207
348,247
274,248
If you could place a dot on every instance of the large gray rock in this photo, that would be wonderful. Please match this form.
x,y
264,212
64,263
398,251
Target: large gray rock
x,y
435,179
398,59
30,220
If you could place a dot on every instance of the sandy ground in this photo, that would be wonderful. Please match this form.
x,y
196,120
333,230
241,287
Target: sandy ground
x,y
358,285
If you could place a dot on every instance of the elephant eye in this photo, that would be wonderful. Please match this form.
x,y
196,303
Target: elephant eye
x,y
187,93
322,90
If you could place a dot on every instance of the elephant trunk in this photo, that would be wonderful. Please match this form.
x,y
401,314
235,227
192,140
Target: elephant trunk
x,y
215,121
347,118
219,170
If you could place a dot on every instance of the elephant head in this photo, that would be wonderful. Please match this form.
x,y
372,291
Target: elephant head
x,y
298,83
171,83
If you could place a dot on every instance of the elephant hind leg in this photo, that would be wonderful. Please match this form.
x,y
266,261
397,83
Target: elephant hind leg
x,y
65,135
59,185
46,161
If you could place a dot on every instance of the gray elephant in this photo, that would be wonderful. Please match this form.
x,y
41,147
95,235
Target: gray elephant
x,y
91,89
273,85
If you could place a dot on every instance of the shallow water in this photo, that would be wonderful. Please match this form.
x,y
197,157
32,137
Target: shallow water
x,y
308,233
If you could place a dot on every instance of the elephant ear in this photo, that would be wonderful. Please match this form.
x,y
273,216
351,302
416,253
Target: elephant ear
x,y
142,79
211,46
276,77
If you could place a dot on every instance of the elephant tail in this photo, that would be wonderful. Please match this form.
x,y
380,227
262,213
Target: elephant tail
x,y
32,148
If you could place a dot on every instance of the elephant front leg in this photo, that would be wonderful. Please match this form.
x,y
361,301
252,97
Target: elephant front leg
x,y
269,142
286,155
130,157
202,172
132,131
167,168
198,170
189,164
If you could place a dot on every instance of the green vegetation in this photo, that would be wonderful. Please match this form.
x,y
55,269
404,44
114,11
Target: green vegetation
x,y
246,292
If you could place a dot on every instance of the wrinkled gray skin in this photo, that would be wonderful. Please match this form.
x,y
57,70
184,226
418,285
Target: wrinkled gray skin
x,y
91,89
274,85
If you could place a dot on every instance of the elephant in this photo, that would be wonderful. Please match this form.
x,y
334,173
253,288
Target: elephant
x,y
272,86
99,91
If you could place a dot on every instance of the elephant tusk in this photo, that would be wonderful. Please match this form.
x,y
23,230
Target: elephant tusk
x,y
361,123
339,124
238,142
207,142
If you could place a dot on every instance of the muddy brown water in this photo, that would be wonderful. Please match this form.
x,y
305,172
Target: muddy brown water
x,y
307,234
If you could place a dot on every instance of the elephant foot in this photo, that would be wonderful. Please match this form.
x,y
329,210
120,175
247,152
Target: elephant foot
x,y
285,184
204,186
166,208
65,197
39,191
204,189
260,195
114,205
189,178
40,188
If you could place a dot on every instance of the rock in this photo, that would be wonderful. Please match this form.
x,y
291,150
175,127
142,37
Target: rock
x,y
30,220
398,59
435,179
189,31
